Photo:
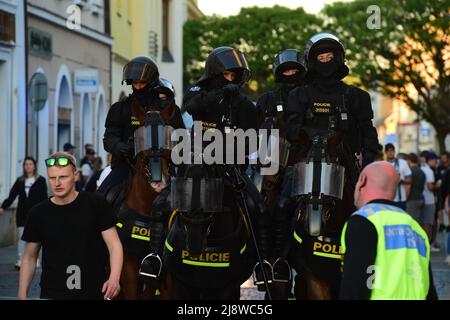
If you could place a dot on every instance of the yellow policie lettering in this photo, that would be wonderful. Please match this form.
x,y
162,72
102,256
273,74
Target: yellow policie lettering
x,y
327,248
208,126
322,104
207,256
140,231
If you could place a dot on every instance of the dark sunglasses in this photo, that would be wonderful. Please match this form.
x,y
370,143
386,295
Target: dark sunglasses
x,y
58,161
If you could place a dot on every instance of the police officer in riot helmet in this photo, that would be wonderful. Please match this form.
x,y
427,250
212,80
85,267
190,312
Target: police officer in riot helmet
x,y
226,70
289,71
325,59
166,91
143,75
216,100
322,110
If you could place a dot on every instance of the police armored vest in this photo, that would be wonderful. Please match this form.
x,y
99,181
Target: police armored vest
x,y
403,254
326,112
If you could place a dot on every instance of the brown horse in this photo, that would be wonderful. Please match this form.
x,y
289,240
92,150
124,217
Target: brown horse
x,y
315,247
150,175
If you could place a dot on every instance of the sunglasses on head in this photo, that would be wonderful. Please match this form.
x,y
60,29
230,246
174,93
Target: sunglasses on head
x,y
63,161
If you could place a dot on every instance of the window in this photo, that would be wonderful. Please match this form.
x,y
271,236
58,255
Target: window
x,y
40,43
167,56
7,27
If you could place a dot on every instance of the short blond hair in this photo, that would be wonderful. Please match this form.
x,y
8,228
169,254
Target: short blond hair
x,y
72,160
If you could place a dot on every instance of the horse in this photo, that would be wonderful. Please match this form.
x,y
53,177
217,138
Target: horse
x,y
323,183
141,214
272,188
208,250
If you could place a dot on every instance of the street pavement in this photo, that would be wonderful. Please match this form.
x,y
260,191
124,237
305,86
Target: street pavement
x,y
9,276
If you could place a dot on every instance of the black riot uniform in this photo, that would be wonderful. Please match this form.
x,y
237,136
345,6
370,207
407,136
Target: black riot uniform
x,y
220,105
275,190
120,123
326,108
326,103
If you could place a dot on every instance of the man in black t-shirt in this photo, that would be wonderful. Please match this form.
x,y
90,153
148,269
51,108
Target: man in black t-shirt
x,y
76,230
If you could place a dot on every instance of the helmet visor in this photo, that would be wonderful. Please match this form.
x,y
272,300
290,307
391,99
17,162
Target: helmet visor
x,y
139,71
232,59
289,56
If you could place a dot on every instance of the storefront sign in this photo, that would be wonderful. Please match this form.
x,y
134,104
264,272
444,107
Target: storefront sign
x,y
86,80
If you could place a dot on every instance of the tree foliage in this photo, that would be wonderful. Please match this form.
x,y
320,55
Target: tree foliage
x,y
260,33
408,57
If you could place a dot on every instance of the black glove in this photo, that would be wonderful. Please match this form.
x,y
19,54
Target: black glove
x,y
231,89
124,149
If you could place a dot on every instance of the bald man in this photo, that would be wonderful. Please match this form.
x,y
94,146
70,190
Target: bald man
x,y
386,252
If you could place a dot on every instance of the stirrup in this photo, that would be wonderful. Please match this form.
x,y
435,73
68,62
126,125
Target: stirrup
x,y
151,266
281,271
258,277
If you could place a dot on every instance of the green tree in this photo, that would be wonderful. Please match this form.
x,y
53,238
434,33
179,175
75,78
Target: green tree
x,y
260,33
408,56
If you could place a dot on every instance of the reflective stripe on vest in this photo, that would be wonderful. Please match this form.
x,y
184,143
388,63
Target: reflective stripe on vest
x,y
401,270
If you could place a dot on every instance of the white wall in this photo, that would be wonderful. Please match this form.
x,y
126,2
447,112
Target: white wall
x,y
12,90
12,113
100,118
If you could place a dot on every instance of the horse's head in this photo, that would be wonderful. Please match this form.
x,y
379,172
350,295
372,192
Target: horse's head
x,y
197,199
152,146
319,179
197,225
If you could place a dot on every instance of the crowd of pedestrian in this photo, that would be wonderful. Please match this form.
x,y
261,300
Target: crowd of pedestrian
x,y
424,190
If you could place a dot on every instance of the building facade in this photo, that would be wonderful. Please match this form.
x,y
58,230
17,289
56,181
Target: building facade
x,y
396,123
150,28
12,102
69,44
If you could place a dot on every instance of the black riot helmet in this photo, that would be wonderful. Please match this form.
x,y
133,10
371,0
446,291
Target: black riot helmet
x,y
322,43
226,59
166,87
141,69
288,59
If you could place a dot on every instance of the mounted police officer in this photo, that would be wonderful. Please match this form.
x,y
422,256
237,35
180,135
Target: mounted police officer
x,y
327,103
289,71
151,95
148,90
216,101
329,123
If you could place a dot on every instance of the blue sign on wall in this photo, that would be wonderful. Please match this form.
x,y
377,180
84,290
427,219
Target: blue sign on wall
x,y
391,138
